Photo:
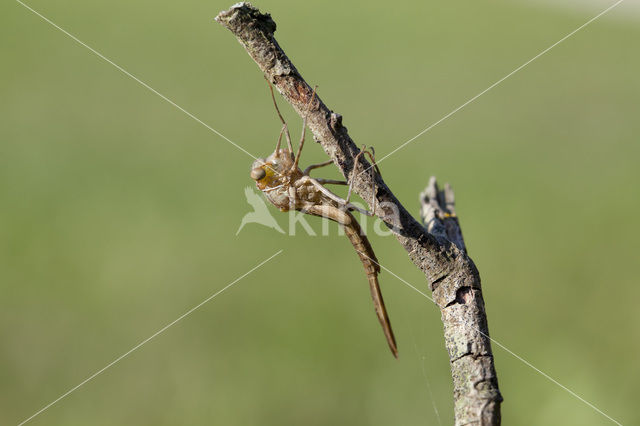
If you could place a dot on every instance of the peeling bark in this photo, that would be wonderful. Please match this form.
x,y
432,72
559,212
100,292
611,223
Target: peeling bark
x,y
437,248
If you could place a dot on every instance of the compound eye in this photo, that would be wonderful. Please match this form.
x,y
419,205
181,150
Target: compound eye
x,y
258,173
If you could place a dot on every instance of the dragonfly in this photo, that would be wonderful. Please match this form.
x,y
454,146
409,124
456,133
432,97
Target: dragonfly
x,y
288,187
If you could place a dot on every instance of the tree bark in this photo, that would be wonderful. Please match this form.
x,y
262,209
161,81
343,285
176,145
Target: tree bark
x,y
437,249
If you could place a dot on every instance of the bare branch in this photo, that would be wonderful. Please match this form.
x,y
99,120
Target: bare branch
x,y
440,254
439,214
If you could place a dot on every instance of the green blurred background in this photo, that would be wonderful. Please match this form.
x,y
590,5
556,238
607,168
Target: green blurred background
x,y
119,213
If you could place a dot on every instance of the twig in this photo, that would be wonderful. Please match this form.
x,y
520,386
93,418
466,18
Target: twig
x,y
440,254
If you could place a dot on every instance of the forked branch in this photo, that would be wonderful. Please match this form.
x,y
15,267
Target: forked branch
x,y
437,250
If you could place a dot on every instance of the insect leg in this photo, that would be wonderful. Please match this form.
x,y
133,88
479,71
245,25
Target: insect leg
x,y
304,128
332,182
285,129
353,172
316,166
372,157
292,198
373,182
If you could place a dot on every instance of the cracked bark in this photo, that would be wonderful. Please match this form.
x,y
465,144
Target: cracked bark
x,y
437,248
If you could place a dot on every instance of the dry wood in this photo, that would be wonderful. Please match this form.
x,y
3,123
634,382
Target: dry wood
x,y
437,250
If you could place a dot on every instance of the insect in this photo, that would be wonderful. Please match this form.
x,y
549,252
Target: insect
x,y
288,187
